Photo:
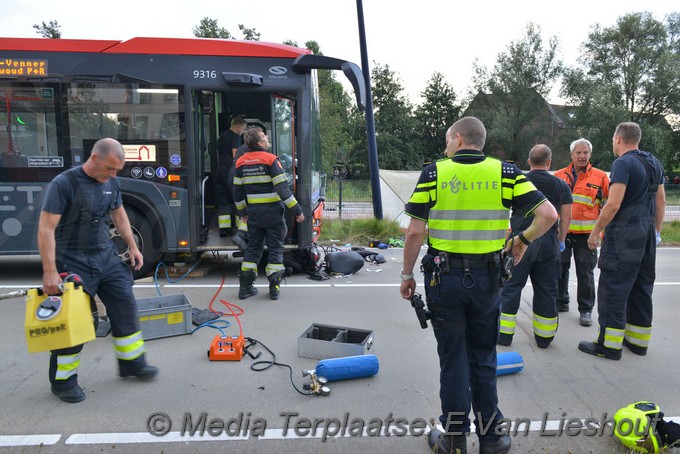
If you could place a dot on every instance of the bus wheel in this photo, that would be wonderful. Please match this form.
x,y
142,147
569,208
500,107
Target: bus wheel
x,y
143,233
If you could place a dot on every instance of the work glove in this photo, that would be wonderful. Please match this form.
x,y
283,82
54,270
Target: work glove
x,y
658,238
563,246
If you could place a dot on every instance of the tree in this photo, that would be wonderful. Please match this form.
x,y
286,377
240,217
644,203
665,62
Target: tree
x,y
208,28
629,72
510,99
394,125
435,115
51,30
249,34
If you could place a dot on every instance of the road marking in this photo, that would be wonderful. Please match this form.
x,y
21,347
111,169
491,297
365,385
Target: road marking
x,y
145,437
29,440
269,434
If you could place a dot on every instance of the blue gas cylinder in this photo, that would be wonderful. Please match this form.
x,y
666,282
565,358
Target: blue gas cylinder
x,y
349,367
509,363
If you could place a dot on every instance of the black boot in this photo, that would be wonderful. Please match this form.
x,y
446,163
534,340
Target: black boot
x,y
136,368
501,446
596,349
246,288
241,239
504,339
441,443
71,395
275,284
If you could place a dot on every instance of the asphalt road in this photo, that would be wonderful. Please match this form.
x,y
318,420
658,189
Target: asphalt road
x,y
261,412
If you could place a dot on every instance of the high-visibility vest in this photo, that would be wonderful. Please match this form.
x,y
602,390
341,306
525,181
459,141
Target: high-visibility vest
x,y
589,192
468,216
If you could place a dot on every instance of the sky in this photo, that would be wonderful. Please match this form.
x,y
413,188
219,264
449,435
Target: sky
x,y
414,38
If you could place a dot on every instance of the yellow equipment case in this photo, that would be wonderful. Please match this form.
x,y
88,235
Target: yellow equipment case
x,y
54,322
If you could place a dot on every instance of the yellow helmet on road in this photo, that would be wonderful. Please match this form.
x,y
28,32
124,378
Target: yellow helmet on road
x,y
635,427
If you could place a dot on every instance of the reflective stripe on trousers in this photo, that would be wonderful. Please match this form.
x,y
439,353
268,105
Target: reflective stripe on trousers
x,y
508,323
129,347
613,338
545,327
67,366
638,335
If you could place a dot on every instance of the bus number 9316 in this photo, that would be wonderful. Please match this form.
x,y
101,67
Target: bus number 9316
x,y
204,74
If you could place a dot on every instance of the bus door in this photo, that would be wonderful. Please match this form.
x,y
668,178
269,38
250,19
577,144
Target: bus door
x,y
203,143
283,143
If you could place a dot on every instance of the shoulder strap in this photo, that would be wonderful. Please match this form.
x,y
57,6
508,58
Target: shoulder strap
x,y
653,187
81,207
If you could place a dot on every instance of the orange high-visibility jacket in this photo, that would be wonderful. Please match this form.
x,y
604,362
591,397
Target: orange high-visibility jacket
x,y
589,191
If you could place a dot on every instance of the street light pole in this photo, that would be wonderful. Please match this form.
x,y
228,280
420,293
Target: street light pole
x,y
373,167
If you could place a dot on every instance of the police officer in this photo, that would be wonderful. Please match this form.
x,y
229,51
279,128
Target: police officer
x,y
73,237
227,144
542,258
464,199
631,220
261,194
590,188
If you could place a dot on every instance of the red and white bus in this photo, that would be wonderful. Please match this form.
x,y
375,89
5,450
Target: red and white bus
x,y
166,100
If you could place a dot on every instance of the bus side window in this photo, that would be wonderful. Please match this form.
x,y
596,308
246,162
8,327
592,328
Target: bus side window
x,y
9,160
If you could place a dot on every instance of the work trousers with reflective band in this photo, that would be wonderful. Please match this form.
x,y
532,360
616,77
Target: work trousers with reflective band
x,y
541,262
585,261
271,232
110,279
627,273
465,320
64,365
225,200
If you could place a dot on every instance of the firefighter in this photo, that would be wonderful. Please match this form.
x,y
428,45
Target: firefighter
x,y
542,258
227,144
261,195
590,189
464,200
73,238
631,220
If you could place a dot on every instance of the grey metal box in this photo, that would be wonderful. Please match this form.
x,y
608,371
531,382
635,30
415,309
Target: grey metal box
x,y
164,316
329,341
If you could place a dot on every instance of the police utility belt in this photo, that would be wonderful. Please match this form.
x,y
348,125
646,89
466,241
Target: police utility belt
x,y
441,262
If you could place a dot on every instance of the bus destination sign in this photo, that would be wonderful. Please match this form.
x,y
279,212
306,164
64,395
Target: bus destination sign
x,y
22,67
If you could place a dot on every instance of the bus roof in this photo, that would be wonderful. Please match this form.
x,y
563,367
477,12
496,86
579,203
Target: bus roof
x,y
163,46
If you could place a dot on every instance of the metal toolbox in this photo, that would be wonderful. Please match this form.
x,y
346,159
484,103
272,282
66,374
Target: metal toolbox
x,y
329,341
164,316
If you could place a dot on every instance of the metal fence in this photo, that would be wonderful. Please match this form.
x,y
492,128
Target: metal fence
x,y
351,199
348,199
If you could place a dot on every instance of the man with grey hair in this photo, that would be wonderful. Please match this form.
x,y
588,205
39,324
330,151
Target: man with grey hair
x,y
590,188
73,238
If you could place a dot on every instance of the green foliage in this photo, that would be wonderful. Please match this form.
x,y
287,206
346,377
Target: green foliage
x,y
628,72
435,116
394,122
670,234
249,34
51,30
509,96
208,28
359,232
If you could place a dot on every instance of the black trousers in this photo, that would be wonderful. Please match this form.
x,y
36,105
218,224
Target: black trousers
x,y
585,261
106,276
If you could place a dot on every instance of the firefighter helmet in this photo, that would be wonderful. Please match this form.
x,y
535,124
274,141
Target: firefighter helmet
x,y
635,427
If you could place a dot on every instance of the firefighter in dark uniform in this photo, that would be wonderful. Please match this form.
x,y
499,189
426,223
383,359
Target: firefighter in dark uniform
x,y
465,201
631,220
261,195
227,144
542,260
73,238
